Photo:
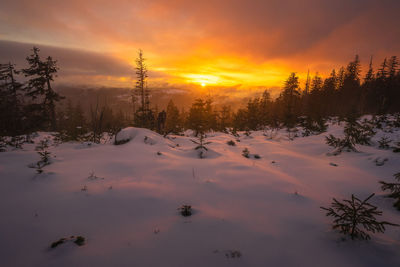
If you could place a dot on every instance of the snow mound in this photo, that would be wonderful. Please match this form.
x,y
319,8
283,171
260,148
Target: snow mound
x,y
139,135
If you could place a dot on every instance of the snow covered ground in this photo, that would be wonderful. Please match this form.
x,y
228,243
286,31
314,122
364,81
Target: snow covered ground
x,y
246,212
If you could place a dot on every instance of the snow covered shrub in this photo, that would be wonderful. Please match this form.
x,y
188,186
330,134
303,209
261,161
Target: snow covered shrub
x,y
355,217
233,254
78,134
247,133
313,127
340,144
271,133
360,133
3,144
396,121
148,141
79,240
43,144
185,210
44,155
234,133
201,145
17,141
58,242
394,189
355,133
246,153
92,177
384,142
396,149
292,133
231,143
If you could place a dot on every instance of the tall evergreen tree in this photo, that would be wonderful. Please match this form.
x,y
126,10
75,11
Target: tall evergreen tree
x,y
41,74
290,98
173,121
351,90
197,117
11,99
224,118
144,116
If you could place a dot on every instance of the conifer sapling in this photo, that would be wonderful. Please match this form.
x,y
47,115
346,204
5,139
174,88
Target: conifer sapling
x,y
394,189
231,143
246,153
355,217
201,145
384,142
185,210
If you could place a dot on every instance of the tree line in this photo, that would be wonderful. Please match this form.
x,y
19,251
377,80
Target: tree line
x,y
31,105
344,93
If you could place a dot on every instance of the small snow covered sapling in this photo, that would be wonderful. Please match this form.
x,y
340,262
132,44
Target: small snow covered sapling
x,y
57,243
231,254
79,241
355,217
44,155
201,145
384,142
93,177
246,153
43,144
3,144
313,126
394,189
231,143
247,133
185,210
292,133
396,149
355,133
16,142
340,144
235,133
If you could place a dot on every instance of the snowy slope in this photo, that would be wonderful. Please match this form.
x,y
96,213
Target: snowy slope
x,y
264,210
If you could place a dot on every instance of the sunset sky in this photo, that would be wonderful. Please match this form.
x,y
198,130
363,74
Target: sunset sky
x,y
211,43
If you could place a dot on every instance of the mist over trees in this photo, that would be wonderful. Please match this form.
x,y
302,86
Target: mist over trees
x,y
30,103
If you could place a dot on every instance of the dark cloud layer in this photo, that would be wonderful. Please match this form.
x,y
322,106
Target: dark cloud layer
x,y
70,61
298,33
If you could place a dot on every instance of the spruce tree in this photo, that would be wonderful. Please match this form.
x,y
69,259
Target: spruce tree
x,y
356,218
351,90
173,120
197,118
144,116
224,118
394,189
11,98
289,99
41,74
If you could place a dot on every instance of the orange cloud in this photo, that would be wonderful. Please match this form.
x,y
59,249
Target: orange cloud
x,y
212,42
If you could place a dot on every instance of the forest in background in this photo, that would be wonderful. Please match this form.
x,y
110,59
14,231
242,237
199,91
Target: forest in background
x,y
34,105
